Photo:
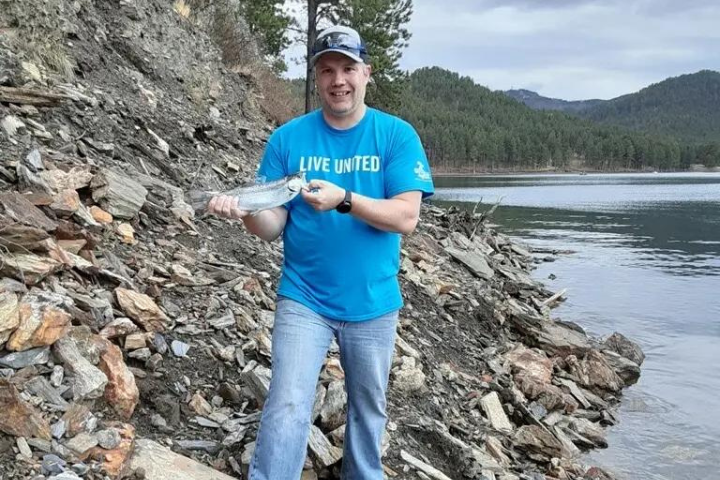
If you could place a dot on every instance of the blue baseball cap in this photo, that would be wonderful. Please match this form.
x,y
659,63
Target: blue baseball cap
x,y
340,39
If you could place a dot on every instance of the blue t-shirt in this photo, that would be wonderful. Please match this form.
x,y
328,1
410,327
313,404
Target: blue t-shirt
x,y
336,265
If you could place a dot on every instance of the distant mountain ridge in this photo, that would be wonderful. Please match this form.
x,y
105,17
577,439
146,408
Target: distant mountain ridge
x,y
537,102
686,107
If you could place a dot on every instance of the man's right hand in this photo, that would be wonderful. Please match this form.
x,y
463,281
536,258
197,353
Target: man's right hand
x,y
226,206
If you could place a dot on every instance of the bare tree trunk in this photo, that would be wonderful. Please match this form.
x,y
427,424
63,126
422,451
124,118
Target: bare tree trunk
x,y
311,36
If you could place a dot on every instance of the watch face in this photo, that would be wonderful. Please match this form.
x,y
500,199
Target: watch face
x,y
344,207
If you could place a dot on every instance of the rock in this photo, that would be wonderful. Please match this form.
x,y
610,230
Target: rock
x,y
43,319
624,347
57,376
121,391
116,460
549,396
66,203
154,362
12,124
118,194
19,418
74,179
200,445
408,378
324,453
332,414
474,261
18,360
27,267
72,246
161,463
528,363
179,349
258,381
87,343
538,441
9,315
41,387
405,349
81,443
142,309
12,286
24,448
334,370
429,470
170,194
100,215
200,405
126,232
119,327
78,418
58,429
626,369
52,464
135,341
88,381
18,208
108,439
18,238
559,339
494,412
593,432
594,371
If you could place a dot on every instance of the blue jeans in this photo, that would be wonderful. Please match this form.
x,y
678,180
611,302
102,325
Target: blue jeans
x,y
300,342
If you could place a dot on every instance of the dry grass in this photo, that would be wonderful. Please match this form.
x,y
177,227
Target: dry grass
x,y
51,54
182,9
277,99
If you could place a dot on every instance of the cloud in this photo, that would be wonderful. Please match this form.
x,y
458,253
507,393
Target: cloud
x,y
566,49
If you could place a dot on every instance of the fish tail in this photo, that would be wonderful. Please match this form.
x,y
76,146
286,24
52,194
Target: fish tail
x,y
199,200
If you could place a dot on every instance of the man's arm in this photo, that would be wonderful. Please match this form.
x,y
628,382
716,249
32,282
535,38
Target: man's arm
x,y
398,214
267,224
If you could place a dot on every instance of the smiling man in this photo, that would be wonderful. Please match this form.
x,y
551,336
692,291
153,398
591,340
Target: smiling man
x,y
367,174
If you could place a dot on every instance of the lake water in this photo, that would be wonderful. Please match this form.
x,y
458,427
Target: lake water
x,y
646,264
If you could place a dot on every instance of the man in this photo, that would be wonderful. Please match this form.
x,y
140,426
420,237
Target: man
x,y
367,174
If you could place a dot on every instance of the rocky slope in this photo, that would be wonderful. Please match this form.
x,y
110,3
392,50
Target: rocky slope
x,y
135,337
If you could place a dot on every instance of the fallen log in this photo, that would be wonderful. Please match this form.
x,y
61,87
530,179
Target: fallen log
x,y
29,96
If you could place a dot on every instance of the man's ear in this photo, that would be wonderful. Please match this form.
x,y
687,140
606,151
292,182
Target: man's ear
x,y
368,70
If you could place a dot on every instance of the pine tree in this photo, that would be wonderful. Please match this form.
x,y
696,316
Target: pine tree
x,y
270,23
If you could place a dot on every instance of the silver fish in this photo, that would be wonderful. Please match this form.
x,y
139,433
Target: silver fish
x,y
257,197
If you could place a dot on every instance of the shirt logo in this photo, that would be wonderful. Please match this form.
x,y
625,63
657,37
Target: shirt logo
x,y
421,173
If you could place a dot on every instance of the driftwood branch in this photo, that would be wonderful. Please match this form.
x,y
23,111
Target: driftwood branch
x,y
484,216
29,96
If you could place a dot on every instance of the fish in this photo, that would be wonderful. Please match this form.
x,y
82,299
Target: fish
x,y
257,197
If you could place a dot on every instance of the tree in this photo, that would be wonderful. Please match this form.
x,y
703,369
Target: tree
x,y
381,23
271,24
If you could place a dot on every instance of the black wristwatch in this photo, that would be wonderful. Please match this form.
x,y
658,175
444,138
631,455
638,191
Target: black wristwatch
x,y
346,205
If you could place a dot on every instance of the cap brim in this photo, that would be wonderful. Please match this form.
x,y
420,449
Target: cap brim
x,y
315,57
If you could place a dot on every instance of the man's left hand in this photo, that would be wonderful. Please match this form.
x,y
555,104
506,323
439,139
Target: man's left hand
x,y
322,195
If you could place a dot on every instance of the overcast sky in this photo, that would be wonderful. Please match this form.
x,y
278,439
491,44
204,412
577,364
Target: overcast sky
x,y
569,49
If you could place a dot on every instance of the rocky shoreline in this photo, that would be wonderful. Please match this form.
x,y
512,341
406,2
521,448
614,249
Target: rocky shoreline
x,y
135,337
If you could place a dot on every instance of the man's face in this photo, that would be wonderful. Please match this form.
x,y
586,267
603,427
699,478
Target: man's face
x,y
341,83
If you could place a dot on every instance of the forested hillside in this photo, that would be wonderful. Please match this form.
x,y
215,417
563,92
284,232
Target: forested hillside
x,y
465,126
687,107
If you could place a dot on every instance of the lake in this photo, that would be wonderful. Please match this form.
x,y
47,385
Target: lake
x,y
646,264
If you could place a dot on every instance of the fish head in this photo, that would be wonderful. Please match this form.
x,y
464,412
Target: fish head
x,y
297,183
